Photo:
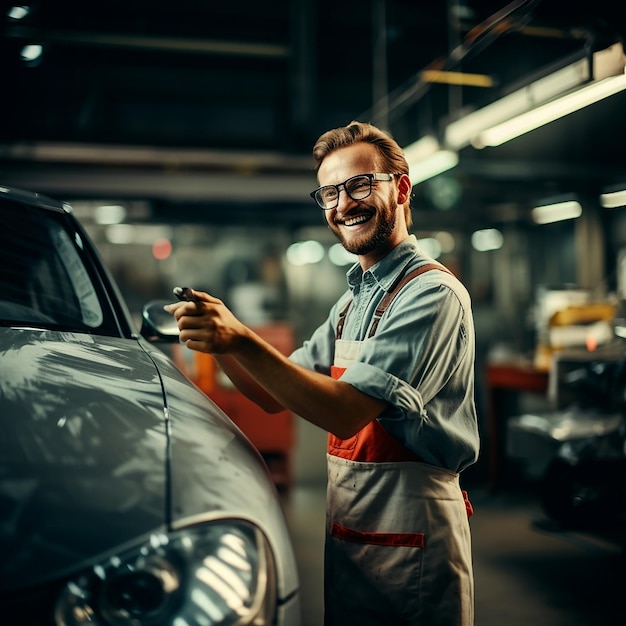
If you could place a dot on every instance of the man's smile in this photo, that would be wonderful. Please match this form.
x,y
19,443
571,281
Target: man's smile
x,y
353,221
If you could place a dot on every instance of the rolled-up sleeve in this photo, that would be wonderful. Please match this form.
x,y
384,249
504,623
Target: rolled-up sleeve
x,y
404,400
418,345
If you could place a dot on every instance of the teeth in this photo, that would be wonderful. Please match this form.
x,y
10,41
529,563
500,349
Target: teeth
x,y
356,220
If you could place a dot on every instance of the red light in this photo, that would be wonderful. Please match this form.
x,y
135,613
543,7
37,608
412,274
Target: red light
x,y
161,249
592,343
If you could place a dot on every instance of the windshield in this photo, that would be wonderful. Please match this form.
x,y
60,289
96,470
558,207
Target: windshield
x,y
46,277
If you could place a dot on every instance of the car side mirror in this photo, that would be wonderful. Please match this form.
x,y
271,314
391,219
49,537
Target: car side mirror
x,y
157,324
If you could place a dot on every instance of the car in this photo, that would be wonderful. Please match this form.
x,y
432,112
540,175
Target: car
x,y
127,497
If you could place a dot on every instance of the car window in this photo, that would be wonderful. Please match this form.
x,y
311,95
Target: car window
x,y
46,278
89,306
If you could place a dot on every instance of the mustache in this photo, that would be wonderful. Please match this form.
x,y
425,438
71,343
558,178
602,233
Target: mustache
x,y
367,210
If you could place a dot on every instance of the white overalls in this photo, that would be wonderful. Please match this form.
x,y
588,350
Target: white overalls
x,y
398,546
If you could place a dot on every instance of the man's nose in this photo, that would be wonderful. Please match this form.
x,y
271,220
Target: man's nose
x,y
344,201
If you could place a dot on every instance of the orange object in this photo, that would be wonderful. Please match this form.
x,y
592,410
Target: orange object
x,y
272,434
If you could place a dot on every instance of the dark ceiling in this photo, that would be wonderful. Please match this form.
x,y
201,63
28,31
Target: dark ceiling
x,y
209,110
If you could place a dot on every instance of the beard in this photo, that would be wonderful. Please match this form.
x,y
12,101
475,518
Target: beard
x,y
385,222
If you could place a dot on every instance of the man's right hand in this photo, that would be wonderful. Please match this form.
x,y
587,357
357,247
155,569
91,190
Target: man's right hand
x,y
206,324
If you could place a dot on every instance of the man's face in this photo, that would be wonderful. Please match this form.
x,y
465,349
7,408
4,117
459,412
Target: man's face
x,y
367,228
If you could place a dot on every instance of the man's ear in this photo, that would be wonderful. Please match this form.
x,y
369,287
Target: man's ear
x,y
405,188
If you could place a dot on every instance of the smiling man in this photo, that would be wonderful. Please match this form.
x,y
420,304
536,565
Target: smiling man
x,y
389,375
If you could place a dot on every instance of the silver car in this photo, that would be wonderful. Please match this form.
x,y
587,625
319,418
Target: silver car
x,y
126,496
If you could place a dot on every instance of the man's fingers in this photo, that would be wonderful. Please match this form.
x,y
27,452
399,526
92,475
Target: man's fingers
x,y
173,307
176,308
202,296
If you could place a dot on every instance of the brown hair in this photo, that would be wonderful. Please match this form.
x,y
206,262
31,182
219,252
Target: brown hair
x,y
392,157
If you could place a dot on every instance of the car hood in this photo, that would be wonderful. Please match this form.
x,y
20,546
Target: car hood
x,y
82,449
103,441
217,473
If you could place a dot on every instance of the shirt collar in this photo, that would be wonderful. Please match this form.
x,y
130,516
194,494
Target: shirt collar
x,y
387,270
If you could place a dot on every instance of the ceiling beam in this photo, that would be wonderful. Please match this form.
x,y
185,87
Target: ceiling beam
x,y
185,45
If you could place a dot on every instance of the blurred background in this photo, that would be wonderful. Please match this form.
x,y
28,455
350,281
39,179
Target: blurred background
x,y
181,134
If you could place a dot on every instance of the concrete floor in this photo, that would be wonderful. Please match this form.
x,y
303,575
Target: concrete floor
x,y
525,574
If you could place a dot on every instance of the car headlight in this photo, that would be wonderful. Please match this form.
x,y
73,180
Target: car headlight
x,y
220,573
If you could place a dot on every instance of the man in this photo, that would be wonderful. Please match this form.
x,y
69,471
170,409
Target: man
x,y
396,395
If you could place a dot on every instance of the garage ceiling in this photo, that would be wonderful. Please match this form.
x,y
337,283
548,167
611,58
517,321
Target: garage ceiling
x,y
209,110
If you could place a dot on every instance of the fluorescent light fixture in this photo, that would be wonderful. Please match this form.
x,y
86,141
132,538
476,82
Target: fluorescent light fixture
x,y
457,78
557,212
501,133
427,159
555,95
613,199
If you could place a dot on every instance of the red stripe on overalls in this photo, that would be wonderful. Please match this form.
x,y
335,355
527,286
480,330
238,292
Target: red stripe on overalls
x,y
393,540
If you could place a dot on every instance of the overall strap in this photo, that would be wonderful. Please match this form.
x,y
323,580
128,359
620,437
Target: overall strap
x,y
342,319
401,281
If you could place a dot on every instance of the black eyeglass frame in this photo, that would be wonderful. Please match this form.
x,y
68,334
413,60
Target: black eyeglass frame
x,y
377,176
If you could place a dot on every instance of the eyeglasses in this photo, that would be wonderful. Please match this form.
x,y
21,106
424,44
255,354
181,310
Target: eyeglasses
x,y
358,188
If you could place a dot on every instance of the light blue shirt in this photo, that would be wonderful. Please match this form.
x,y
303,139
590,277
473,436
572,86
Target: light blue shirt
x,y
420,360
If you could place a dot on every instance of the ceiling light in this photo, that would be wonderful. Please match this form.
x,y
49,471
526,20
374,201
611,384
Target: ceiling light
x,y
18,12
487,239
305,252
122,234
555,95
31,54
613,199
547,113
110,214
456,78
427,159
557,211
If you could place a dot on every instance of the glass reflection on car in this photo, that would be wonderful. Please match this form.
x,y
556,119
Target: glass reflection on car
x,y
46,276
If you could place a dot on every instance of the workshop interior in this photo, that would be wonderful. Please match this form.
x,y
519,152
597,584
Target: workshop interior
x,y
180,133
